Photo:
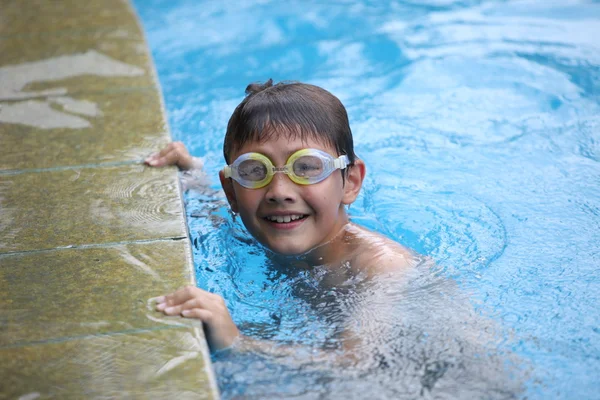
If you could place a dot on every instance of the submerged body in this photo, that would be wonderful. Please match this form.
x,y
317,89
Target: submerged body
x,y
389,336
359,333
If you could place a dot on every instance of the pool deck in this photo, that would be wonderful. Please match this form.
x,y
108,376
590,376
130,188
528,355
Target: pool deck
x,y
87,233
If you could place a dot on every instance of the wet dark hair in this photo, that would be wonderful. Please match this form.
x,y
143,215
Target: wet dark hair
x,y
293,109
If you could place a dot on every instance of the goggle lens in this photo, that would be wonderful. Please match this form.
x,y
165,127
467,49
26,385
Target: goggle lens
x,y
308,167
252,170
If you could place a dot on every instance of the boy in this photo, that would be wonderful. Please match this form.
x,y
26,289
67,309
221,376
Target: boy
x,y
291,170
394,320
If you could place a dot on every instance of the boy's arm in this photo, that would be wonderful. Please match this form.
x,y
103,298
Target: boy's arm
x,y
220,330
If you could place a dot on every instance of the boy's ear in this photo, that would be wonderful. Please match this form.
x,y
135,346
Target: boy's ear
x,y
354,179
227,185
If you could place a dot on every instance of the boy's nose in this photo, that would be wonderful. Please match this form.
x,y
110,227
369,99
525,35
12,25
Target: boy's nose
x,y
281,189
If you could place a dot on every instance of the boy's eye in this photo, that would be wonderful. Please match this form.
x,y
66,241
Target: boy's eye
x,y
252,170
308,166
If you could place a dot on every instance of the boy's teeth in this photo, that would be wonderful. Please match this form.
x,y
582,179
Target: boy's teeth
x,y
284,218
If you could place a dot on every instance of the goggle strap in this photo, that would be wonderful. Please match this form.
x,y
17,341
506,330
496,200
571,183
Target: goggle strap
x,y
227,172
341,162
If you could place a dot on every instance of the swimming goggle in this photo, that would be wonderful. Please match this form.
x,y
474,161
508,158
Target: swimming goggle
x,y
304,167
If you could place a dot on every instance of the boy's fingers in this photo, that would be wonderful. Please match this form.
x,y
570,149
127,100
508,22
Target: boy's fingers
x,y
170,158
167,150
174,153
195,303
159,162
189,297
168,153
201,314
167,159
173,310
152,156
178,309
159,158
184,294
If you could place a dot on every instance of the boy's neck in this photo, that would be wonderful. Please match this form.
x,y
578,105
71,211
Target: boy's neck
x,y
332,253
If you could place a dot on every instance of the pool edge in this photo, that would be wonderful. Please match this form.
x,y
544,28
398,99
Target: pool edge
x,y
87,233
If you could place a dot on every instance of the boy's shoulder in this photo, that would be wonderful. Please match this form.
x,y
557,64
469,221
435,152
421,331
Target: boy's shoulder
x,y
380,254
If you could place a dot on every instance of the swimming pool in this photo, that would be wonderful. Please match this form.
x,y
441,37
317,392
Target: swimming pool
x,y
479,124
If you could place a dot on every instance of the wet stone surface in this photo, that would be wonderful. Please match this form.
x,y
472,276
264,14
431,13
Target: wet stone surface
x,y
86,128
163,364
44,210
94,61
65,16
122,43
82,99
71,293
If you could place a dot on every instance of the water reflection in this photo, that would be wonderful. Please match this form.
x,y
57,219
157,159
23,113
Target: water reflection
x,y
41,114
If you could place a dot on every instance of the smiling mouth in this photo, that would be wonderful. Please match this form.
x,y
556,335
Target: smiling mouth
x,y
285,219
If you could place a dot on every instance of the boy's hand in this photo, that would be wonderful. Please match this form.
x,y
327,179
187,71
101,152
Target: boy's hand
x,y
174,154
192,302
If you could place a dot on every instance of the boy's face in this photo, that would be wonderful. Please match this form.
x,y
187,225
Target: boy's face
x,y
319,206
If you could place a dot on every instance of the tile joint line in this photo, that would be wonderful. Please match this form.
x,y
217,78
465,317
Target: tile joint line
x,y
72,167
93,246
91,336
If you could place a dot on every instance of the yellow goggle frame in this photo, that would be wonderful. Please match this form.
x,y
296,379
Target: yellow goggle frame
x,y
304,167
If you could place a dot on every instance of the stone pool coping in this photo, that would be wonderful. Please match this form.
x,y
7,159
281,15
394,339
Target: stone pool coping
x,y
87,233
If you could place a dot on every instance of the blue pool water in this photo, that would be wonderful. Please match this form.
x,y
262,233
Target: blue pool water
x,y
479,122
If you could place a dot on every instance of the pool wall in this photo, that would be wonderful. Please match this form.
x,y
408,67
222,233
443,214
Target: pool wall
x,y
87,233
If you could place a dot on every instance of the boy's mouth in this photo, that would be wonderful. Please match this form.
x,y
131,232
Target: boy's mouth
x,y
285,219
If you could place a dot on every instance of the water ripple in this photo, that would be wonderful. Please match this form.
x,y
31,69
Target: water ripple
x,y
157,204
